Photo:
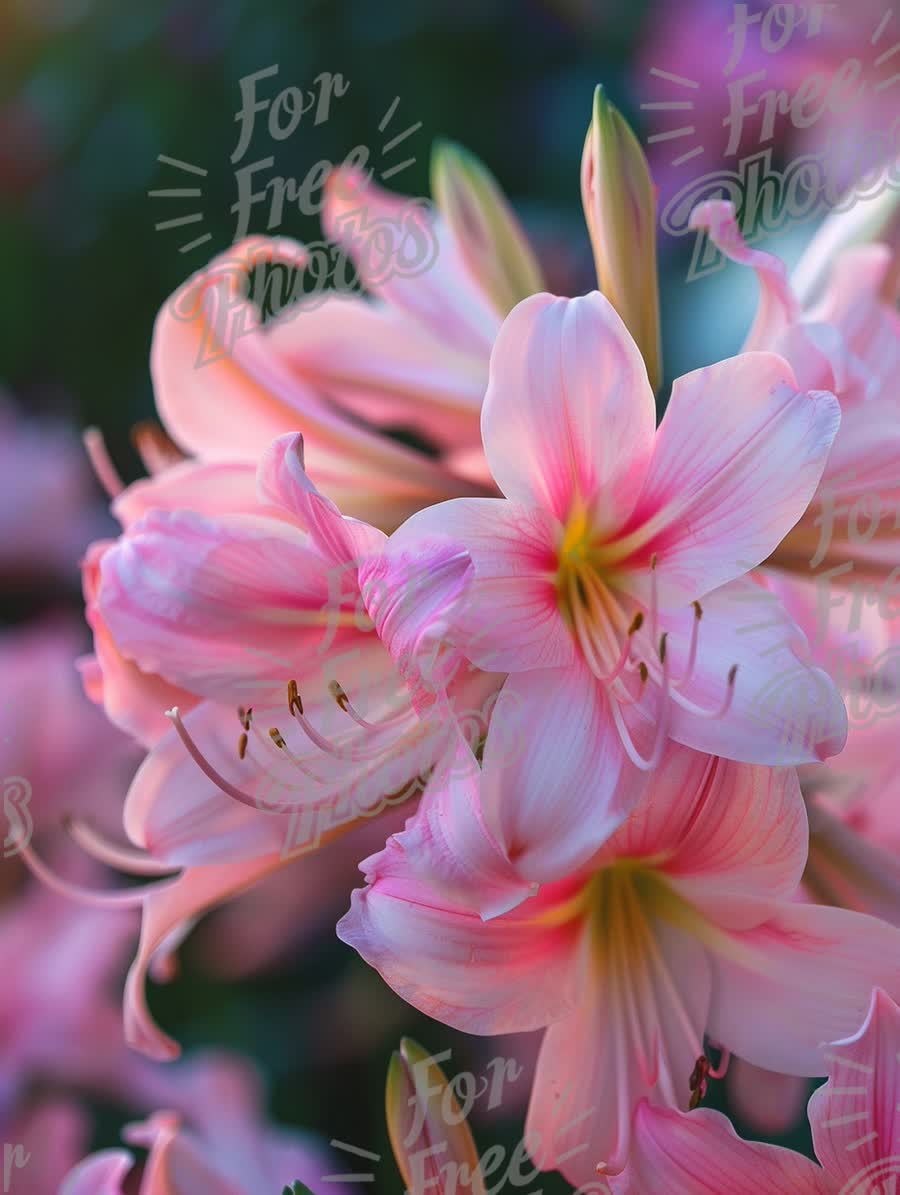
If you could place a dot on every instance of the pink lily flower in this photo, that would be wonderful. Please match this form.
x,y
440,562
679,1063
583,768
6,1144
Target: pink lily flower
x,y
298,724
340,368
854,1123
683,925
849,343
609,581
226,1147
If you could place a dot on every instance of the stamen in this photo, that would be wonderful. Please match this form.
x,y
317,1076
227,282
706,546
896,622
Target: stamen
x,y
338,692
122,857
654,598
101,462
153,446
330,748
662,726
216,777
692,651
699,711
123,898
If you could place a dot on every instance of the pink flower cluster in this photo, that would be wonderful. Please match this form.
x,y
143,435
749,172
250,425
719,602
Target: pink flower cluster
x,y
429,549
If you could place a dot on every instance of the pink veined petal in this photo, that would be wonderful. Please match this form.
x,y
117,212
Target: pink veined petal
x,y
730,832
768,1103
699,1153
778,307
854,1116
569,413
637,1033
821,360
737,459
388,367
225,393
511,620
810,984
447,845
442,296
412,599
216,605
508,975
283,482
135,701
868,321
211,406
205,488
556,780
100,1174
784,709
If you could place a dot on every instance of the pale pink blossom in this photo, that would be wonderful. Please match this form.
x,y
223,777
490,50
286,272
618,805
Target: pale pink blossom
x,y
683,925
297,723
849,343
610,580
854,1119
343,370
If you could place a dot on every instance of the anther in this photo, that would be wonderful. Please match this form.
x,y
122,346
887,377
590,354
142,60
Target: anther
x,y
698,610
636,623
293,698
277,738
242,745
644,672
338,694
662,647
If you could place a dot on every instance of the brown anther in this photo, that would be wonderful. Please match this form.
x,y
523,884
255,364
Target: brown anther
x,y
644,672
244,717
293,697
662,646
276,736
338,694
242,745
697,1081
636,623
732,673
698,610
653,560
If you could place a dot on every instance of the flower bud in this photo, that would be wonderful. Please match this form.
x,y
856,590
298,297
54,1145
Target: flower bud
x,y
488,235
429,1135
620,210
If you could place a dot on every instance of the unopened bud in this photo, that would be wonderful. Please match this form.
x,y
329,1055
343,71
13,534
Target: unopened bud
x,y
487,233
620,210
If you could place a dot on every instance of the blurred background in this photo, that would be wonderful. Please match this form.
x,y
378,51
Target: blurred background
x,y
93,93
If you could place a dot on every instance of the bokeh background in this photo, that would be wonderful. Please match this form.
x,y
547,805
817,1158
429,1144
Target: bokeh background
x,y
92,93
